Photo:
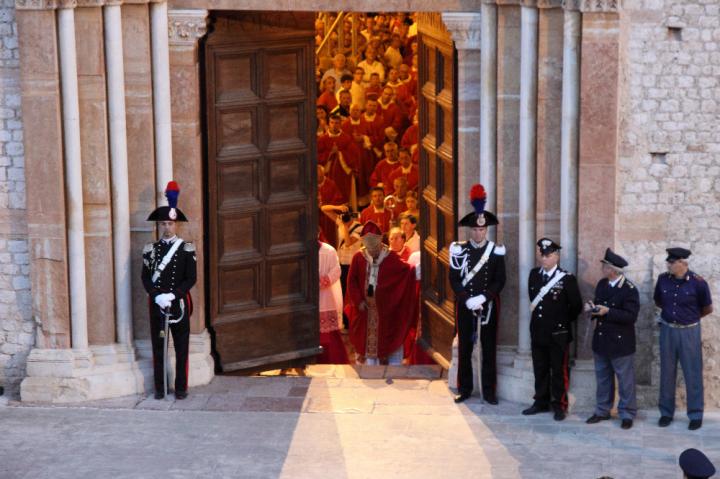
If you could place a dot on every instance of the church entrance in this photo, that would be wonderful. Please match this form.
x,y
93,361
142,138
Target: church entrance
x,y
262,184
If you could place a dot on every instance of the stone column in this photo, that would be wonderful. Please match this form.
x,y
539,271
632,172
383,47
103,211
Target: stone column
x,y
161,97
527,170
44,177
112,15
598,146
508,120
488,103
73,177
569,135
465,31
187,27
549,119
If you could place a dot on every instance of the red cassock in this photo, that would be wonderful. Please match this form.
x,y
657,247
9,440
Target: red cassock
x,y
396,299
412,176
328,100
392,117
381,174
410,137
358,130
380,218
405,98
340,168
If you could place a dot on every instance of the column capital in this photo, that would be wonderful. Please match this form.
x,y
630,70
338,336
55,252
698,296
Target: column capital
x,y
550,3
464,29
187,26
57,4
597,6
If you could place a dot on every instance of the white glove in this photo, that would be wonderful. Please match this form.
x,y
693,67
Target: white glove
x,y
475,302
164,300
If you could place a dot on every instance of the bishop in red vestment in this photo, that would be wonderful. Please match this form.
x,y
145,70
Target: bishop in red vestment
x,y
380,301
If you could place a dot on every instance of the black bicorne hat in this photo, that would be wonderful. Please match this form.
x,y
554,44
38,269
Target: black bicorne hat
x,y
479,217
170,212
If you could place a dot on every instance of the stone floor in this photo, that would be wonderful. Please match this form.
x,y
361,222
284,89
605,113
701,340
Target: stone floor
x,y
335,424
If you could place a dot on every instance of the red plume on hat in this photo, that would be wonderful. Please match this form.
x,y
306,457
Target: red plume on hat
x,y
478,198
172,191
170,212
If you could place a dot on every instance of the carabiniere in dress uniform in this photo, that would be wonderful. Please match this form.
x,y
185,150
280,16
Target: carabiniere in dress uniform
x,y
169,271
477,276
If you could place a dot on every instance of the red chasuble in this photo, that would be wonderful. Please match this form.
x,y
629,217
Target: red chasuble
x,y
340,167
363,132
395,297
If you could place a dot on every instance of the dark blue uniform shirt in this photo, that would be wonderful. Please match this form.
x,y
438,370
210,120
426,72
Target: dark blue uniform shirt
x,y
682,300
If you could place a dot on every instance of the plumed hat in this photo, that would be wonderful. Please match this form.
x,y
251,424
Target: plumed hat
x,y
170,212
479,217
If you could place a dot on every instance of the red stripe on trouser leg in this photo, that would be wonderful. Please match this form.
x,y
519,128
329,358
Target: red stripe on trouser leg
x,y
457,334
566,380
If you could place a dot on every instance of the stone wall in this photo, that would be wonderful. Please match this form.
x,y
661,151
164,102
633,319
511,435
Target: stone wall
x,y
668,175
17,329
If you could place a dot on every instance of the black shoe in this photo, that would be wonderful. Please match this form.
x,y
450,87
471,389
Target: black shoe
x,y
594,419
535,409
462,397
180,394
695,424
664,421
559,415
491,399
626,423
159,395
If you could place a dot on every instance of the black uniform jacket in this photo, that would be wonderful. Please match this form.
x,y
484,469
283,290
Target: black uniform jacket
x,y
489,281
615,332
551,319
178,276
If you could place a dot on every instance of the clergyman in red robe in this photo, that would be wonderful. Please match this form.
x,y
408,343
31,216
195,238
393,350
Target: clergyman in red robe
x,y
380,301
339,155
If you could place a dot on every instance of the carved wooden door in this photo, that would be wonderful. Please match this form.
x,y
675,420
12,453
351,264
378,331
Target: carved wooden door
x,y
262,213
437,87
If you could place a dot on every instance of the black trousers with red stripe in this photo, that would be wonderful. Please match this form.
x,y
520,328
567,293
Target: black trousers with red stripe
x,y
466,327
181,340
552,374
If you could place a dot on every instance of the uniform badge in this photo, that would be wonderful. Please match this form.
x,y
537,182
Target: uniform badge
x,y
545,243
480,220
172,214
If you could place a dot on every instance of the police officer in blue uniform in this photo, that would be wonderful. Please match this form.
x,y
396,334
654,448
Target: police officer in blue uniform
x,y
684,298
615,311
695,465
477,276
555,304
169,271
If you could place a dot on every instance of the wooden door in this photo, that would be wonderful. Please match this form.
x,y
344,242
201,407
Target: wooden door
x,y
261,182
437,86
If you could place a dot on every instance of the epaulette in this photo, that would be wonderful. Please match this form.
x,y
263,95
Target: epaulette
x,y
457,247
500,250
148,248
189,247
698,277
629,283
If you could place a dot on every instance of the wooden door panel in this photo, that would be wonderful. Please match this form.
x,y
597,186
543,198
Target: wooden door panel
x,y
263,217
438,181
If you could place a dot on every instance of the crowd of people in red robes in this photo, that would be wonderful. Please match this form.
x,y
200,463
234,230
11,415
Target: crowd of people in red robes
x,y
367,152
